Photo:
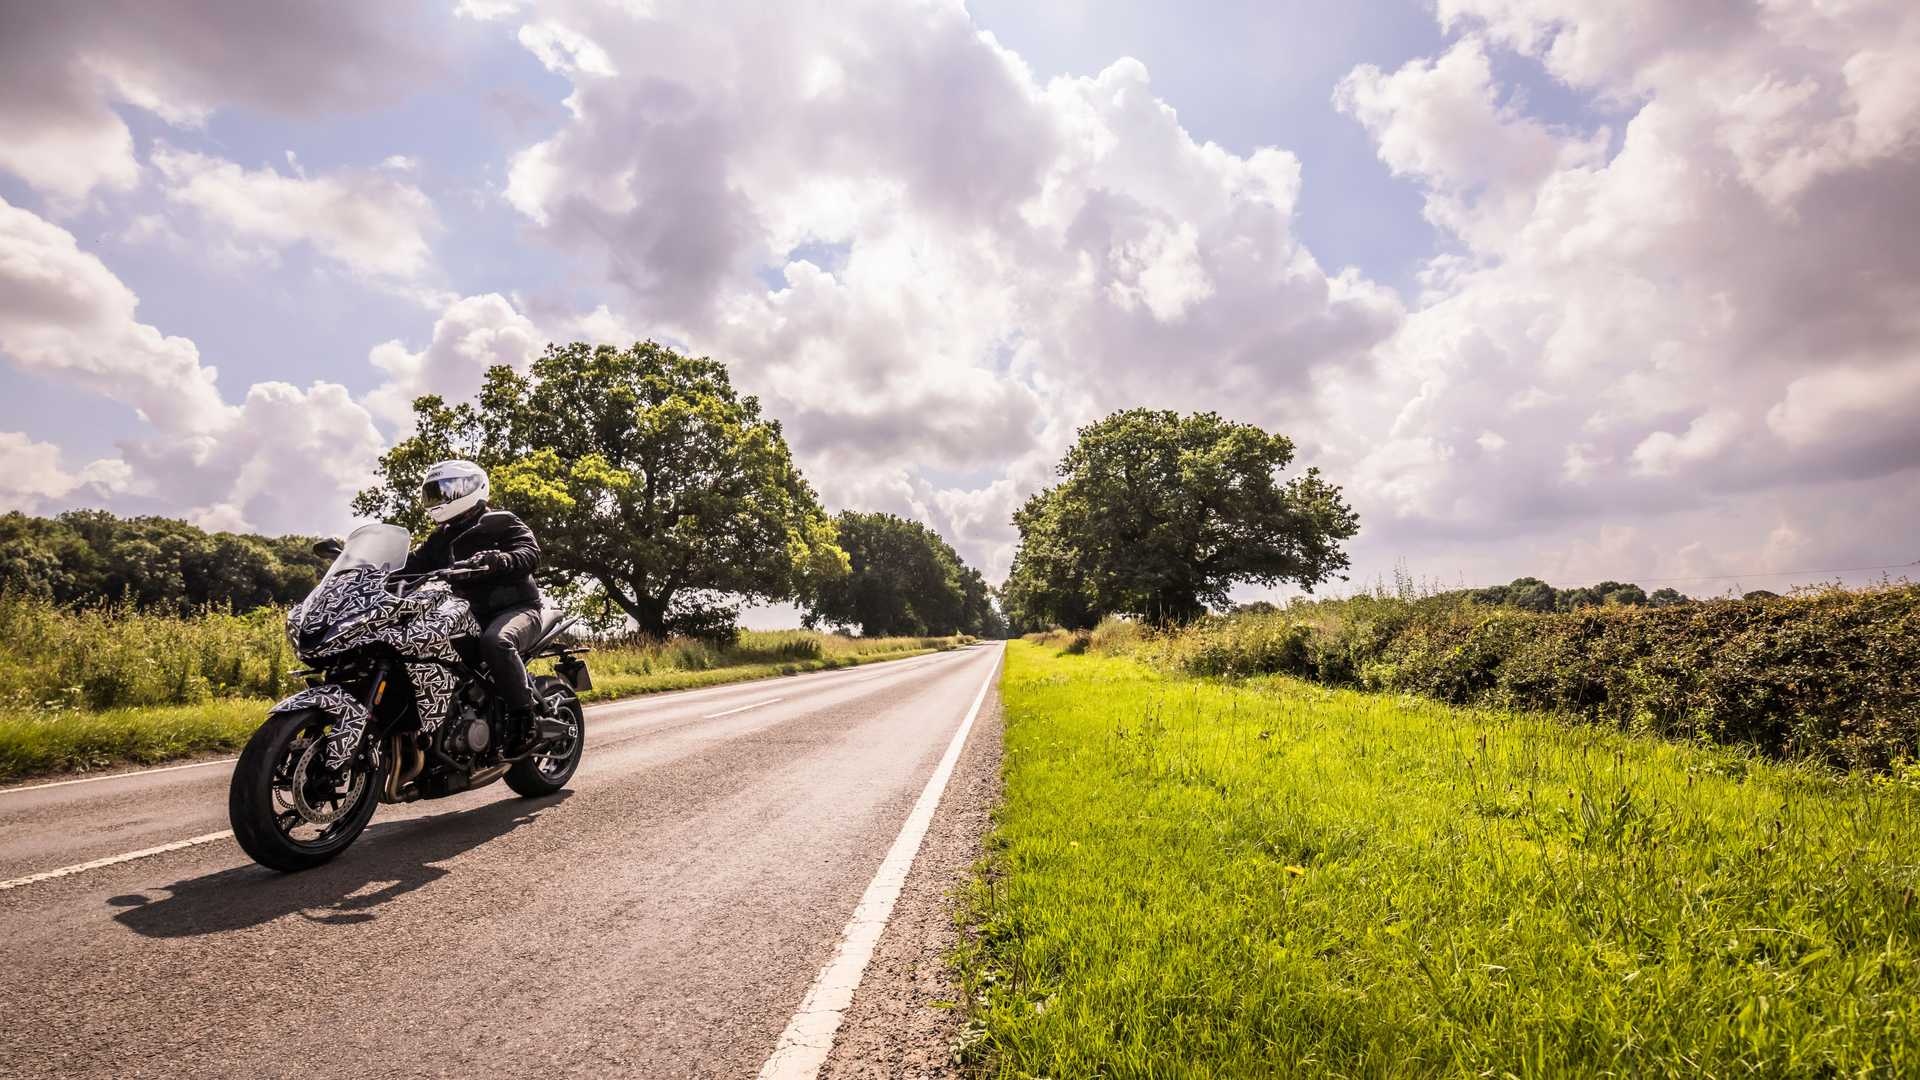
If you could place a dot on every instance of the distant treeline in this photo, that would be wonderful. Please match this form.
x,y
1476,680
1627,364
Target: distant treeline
x,y
87,557
1532,594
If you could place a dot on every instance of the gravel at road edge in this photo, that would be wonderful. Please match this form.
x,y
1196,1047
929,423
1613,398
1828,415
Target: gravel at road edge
x,y
895,1029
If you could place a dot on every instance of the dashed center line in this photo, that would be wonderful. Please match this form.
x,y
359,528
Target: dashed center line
x,y
114,860
741,709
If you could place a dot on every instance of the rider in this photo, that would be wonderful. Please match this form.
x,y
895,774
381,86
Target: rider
x,y
471,535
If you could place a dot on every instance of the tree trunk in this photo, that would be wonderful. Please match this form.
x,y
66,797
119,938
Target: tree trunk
x,y
648,613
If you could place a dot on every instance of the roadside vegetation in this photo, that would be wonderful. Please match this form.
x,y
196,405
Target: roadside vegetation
x,y
1269,877
1831,675
93,687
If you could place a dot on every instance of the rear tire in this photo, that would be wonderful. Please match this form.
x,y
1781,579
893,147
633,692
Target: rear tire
x,y
258,820
545,773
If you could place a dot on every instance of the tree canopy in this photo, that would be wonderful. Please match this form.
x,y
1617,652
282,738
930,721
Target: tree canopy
x,y
904,579
1160,515
1532,594
649,480
91,556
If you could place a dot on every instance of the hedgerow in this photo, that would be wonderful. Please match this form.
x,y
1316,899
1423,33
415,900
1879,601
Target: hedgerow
x,y
1831,675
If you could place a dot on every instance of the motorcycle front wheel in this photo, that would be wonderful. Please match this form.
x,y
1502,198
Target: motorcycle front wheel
x,y
289,811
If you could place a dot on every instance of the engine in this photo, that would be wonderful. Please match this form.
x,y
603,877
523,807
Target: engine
x,y
468,733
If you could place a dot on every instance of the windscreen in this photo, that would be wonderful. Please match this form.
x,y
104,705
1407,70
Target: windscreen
x,y
381,547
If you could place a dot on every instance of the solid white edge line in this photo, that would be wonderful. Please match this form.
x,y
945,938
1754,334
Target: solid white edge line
x,y
808,1039
117,776
112,860
743,708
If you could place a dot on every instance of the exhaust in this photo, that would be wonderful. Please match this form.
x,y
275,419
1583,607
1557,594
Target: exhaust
x,y
397,777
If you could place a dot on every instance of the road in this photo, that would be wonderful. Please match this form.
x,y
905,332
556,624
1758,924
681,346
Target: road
x,y
665,916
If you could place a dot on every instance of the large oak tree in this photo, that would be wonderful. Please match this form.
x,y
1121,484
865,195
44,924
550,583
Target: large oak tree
x,y
1159,516
645,476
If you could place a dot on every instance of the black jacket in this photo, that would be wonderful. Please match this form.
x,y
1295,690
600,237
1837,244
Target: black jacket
x,y
495,537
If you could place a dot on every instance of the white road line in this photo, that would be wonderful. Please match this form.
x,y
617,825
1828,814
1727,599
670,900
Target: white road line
x,y
743,708
804,1046
118,775
111,860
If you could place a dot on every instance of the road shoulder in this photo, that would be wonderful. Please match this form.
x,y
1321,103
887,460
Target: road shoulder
x,y
902,1022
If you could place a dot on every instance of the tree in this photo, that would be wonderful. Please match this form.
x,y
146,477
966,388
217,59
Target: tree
x,y
904,579
1159,516
648,479
1617,593
91,556
1667,597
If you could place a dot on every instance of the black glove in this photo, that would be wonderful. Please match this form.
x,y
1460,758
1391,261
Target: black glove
x,y
470,564
491,560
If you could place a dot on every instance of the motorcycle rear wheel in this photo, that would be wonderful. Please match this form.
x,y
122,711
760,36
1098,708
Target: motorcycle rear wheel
x,y
288,812
548,770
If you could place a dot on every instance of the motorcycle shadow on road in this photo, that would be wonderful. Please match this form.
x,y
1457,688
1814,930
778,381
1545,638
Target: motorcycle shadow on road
x,y
390,860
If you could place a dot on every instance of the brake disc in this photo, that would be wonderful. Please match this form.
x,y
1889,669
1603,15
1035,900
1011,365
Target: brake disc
x,y
314,815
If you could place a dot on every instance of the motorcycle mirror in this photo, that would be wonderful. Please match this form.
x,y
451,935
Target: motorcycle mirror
x,y
330,547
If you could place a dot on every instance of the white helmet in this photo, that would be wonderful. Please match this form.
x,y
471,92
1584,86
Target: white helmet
x,y
452,488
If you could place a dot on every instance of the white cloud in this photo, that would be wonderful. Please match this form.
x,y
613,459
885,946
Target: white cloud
x,y
967,262
283,459
1721,312
472,335
1683,341
368,221
33,477
64,67
64,314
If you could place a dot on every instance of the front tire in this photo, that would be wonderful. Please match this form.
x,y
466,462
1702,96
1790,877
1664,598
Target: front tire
x,y
288,813
548,769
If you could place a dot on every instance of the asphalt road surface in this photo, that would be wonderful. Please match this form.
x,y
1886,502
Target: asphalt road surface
x,y
665,916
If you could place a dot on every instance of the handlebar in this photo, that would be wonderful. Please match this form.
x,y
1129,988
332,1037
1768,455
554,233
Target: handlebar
x,y
448,574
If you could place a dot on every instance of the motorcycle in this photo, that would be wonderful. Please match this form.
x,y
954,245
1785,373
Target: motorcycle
x,y
397,708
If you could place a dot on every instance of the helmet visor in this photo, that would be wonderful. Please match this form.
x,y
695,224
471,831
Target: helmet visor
x,y
446,489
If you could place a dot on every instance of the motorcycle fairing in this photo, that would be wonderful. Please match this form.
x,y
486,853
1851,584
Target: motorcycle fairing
x,y
349,719
421,626
433,687
423,623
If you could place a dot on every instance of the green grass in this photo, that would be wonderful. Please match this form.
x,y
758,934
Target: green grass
x,y
34,742
1200,878
48,727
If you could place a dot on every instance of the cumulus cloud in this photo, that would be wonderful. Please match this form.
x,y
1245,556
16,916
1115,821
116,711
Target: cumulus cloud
x,y
64,314
1679,336
34,477
470,336
916,251
64,68
1720,312
283,459
367,220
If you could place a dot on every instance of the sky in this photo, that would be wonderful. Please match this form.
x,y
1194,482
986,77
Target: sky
x,y
1576,289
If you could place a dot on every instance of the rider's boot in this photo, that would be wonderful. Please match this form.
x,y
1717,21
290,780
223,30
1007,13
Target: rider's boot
x,y
525,726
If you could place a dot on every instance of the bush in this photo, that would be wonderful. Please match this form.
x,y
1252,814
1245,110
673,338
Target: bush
x,y
115,656
1116,636
1833,675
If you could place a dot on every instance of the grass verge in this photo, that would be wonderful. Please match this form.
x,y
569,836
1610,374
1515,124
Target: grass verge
x,y
1201,878
40,741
